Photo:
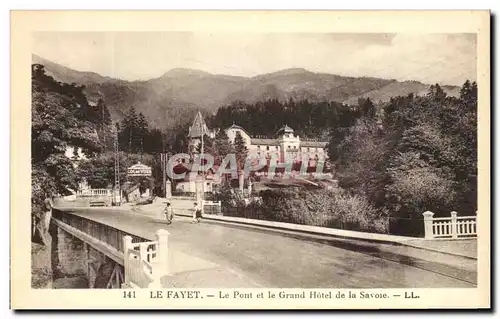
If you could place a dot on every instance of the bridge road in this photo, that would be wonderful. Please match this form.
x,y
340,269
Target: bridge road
x,y
218,255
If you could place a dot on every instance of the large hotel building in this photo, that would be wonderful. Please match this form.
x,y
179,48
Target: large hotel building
x,y
286,146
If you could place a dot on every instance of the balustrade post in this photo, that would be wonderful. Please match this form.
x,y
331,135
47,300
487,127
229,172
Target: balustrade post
x,y
454,225
143,251
168,189
162,252
429,233
127,244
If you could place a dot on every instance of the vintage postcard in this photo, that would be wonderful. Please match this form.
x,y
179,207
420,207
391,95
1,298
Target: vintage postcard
x,y
250,160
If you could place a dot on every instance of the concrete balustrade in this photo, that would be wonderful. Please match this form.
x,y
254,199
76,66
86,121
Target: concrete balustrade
x,y
94,192
145,263
449,227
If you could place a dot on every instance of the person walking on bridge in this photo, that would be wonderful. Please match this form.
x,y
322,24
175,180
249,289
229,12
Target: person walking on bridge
x,y
169,213
196,213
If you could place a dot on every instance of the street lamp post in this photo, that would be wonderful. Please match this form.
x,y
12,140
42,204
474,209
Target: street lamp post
x,y
202,173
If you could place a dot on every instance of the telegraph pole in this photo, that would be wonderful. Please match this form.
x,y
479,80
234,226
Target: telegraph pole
x,y
163,160
118,193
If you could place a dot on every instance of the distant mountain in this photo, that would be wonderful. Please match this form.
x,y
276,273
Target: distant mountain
x,y
172,99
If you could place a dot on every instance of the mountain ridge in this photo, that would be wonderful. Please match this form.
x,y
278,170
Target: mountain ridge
x,y
172,99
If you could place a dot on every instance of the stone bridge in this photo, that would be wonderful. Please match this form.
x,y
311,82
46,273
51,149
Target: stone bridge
x,y
102,243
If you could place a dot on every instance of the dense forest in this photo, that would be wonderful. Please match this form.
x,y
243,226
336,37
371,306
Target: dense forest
x,y
421,155
308,119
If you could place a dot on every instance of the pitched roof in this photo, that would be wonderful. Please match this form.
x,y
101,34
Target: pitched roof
x,y
237,127
313,144
285,129
139,165
264,141
198,127
234,126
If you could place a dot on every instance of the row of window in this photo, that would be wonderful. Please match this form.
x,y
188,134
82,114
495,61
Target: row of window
x,y
309,149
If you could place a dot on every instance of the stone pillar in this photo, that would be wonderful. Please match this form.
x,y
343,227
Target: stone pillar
x,y
116,197
249,187
168,189
162,252
454,232
143,251
241,180
127,243
429,234
199,192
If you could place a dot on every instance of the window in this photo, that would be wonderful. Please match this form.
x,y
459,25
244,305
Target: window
x,y
258,147
267,148
277,148
288,146
308,149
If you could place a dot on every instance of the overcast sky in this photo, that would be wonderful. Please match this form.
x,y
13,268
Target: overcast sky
x,y
429,58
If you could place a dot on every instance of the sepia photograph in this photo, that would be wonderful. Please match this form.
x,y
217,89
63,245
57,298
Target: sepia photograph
x,y
312,161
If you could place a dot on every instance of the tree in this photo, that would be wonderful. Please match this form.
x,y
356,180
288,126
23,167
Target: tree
x,y
104,124
361,160
423,155
241,155
99,171
60,119
103,116
367,107
220,147
241,150
129,134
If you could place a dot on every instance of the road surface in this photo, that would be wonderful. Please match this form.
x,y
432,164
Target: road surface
x,y
267,259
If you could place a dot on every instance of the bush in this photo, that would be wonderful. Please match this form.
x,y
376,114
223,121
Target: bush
x,y
416,186
357,213
324,208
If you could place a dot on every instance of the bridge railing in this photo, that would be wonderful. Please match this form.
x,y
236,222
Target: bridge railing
x,y
449,227
145,262
105,233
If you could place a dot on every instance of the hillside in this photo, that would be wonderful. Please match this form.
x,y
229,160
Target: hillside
x,y
172,99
